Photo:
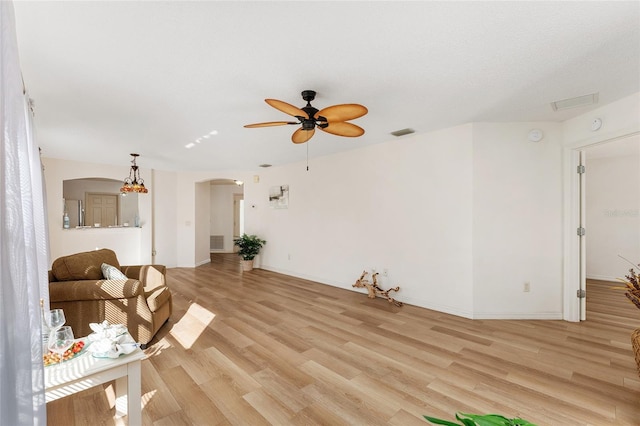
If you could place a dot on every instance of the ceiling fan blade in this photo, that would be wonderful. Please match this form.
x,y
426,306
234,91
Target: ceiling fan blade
x,y
302,136
270,123
341,128
287,108
343,112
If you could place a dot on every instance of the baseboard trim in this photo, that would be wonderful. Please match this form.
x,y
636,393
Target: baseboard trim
x,y
417,302
518,316
601,278
203,262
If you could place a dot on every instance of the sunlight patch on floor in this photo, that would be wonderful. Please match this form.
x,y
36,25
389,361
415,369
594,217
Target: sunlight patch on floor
x,y
111,396
148,397
187,330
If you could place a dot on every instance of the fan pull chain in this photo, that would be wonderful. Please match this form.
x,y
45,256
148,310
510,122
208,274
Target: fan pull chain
x,y
307,155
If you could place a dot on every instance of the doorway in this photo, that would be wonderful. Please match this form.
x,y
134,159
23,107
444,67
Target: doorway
x,y
226,214
238,215
610,197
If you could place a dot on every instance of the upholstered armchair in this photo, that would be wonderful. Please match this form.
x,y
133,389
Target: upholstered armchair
x,y
93,287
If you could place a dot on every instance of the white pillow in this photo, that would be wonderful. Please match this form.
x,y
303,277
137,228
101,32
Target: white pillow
x,y
112,273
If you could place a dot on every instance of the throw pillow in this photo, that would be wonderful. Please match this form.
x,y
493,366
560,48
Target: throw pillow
x,y
112,273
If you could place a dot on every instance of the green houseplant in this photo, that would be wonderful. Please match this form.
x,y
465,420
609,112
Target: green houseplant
x,y
248,248
480,420
632,292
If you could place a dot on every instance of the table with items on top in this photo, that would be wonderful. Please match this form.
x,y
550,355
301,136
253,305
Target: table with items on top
x,y
85,371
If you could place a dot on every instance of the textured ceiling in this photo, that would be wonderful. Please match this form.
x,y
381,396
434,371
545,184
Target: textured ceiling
x,y
111,78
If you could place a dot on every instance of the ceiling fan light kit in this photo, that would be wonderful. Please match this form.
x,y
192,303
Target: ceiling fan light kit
x,y
333,119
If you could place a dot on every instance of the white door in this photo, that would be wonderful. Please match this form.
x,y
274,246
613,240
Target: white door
x,y
583,238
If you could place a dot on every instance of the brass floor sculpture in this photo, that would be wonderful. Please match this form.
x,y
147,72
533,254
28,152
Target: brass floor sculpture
x,y
374,289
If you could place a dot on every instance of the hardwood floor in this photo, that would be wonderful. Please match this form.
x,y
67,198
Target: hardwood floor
x,y
259,348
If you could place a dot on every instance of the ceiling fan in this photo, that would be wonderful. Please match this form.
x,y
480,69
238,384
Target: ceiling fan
x,y
333,119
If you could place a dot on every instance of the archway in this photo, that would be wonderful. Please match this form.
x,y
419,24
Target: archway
x,y
226,214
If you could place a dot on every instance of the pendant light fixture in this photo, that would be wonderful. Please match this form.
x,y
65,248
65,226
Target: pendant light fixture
x,y
133,183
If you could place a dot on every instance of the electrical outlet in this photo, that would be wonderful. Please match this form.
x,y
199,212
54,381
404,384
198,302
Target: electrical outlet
x,y
289,256
527,287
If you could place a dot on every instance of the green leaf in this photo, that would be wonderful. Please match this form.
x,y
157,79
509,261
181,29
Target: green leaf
x,y
478,419
440,421
521,422
491,420
481,420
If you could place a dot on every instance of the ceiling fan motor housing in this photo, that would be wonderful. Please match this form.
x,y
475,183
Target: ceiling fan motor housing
x,y
310,122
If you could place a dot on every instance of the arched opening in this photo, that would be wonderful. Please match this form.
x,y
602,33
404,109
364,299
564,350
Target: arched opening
x,y
219,217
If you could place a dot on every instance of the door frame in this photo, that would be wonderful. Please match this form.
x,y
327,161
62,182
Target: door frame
x,y
573,262
237,214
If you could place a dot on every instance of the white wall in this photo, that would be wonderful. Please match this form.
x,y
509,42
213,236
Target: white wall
x,y
517,221
202,222
126,242
185,212
613,215
460,218
131,245
619,119
404,205
165,222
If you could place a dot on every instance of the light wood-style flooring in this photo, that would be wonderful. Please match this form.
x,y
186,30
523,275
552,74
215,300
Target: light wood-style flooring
x,y
260,348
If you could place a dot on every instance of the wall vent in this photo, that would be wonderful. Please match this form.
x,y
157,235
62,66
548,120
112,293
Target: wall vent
x,y
216,242
575,102
403,132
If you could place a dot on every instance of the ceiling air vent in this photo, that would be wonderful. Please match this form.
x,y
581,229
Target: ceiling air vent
x,y
403,132
575,102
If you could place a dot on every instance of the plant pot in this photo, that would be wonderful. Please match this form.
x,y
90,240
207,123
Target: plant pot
x,y
247,265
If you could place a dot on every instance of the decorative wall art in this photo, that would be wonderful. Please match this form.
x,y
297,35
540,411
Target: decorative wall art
x,y
279,197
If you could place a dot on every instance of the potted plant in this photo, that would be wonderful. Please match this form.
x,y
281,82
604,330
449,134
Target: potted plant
x,y
480,420
249,247
632,292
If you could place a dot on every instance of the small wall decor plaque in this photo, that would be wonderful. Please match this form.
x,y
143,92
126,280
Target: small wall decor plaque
x,y
279,197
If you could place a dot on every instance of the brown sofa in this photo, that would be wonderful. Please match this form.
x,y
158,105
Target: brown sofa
x,y
142,302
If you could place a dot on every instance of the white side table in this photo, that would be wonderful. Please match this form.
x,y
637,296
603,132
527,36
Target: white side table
x,y
86,371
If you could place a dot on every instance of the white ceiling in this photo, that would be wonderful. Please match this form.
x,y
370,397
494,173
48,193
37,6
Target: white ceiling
x,y
111,78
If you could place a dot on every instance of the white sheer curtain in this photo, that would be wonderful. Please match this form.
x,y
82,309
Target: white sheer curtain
x,y
23,247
